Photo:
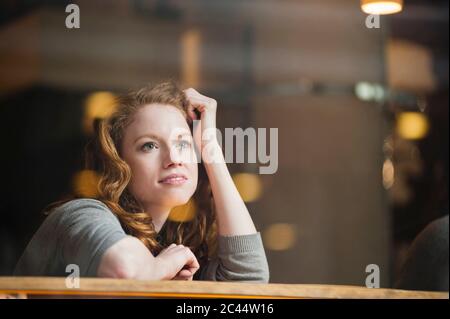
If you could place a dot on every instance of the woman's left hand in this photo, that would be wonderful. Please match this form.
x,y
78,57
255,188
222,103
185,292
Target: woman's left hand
x,y
205,133
184,274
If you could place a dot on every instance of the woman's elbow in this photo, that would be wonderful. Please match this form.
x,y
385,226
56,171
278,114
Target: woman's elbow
x,y
263,276
249,275
266,278
261,273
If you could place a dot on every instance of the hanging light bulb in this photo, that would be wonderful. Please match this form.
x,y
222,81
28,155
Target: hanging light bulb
x,y
381,6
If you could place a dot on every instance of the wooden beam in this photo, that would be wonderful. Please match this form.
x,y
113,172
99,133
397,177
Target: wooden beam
x,y
94,287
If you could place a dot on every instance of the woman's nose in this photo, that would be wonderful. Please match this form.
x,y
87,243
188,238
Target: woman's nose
x,y
173,158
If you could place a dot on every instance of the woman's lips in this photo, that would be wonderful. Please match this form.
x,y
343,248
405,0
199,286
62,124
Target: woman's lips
x,y
174,179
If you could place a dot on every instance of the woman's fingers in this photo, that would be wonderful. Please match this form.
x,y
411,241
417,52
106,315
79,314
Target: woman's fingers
x,y
187,262
185,273
192,263
199,101
191,113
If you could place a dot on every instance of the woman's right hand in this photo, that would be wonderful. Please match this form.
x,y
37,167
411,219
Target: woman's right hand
x,y
178,262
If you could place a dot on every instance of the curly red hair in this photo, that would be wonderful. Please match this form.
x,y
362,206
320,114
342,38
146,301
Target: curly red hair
x,y
103,156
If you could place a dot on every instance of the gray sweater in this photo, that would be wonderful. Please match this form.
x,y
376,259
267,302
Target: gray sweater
x,y
80,231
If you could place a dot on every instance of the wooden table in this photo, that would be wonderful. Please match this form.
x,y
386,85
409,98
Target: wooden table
x,y
101,287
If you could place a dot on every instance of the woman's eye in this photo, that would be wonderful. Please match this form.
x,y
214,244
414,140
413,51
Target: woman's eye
x,y
149,146
183,144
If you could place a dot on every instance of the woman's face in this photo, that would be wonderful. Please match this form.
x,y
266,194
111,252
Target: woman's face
x,y
159,149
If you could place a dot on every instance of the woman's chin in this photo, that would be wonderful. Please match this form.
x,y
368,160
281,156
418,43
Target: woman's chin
x,y
176,201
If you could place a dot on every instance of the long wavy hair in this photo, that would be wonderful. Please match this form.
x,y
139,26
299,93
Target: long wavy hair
x,y
103,156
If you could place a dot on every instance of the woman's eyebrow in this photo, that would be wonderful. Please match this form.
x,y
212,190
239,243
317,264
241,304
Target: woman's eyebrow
x,y
153,136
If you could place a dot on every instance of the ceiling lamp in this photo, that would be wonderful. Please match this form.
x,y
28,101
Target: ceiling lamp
x,y
381,6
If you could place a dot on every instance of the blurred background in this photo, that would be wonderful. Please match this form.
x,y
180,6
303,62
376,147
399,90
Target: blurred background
x,y
362,115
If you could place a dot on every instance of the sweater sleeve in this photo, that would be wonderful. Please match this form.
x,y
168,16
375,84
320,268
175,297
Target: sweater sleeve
x,y
239,258
77,232
86,230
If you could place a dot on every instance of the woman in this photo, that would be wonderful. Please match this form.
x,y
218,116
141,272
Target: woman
x,y
146,158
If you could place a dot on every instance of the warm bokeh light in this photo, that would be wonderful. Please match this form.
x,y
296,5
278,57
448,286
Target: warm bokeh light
x,y
85,183
280,236
190,58
381,6
98,105
248,185
412,125
388,174
184,213
401,75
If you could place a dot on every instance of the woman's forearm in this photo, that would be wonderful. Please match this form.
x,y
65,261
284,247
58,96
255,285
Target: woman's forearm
x,y
233,217
130,259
